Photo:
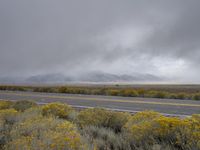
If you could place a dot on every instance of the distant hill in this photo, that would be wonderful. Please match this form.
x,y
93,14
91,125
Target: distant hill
x,y
92,77
48,78
85,77
107,77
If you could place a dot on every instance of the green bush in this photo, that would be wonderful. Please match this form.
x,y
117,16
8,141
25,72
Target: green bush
x,y
23,105
57,109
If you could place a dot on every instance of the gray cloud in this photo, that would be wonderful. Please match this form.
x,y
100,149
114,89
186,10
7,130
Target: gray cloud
x,y
114,36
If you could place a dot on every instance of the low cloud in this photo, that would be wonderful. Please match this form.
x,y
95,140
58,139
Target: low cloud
x,y
113,36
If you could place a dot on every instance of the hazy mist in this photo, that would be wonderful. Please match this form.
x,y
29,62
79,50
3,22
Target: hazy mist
x,y
121,37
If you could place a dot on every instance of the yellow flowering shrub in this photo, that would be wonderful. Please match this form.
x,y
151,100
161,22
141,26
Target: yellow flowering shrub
x,y
57,109
64,136
194,130
101,117
40,128
5,104
43,133
139,125
140,117
151,128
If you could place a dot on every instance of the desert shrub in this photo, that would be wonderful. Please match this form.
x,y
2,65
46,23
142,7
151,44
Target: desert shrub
x,y
5,104
29,113
12,88
7,119
181,133
104,139
81,91
72,90
116,120
150,93
96,92
57,109
93,116
196,96
172,96
23,105
138,128
8,115
102,91
113,92
129,93
62,89
181,96
193,131
141,92
44,89
160,94
44,133
144,116
73,116
145,130
102,118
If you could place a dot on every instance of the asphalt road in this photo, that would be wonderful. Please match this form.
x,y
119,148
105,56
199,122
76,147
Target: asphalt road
x,y
166,106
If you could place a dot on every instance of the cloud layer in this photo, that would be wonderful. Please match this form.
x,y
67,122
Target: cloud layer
x,y
114,36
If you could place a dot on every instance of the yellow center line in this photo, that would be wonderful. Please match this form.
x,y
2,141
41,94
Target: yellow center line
x,y
101,99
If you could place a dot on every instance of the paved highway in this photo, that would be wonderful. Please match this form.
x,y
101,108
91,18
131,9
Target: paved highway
x,y
166,106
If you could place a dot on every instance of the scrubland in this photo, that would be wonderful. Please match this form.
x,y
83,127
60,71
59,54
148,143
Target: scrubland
x,y
188,92
56,126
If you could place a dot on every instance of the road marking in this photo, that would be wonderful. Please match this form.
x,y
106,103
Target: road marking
x,y
100,99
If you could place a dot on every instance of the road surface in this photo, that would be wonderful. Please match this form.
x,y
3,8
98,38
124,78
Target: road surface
x,y
130,104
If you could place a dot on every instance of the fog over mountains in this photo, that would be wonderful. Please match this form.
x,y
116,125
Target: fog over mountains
x,y
124,40
92,77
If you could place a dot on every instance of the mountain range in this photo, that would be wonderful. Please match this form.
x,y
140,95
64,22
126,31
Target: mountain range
x,y
96,77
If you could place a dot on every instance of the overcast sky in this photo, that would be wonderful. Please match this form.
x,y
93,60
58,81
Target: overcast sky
x,y
159,37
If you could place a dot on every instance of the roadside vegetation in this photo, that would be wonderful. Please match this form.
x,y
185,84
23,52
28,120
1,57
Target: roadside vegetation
x,y
56,126
169,92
